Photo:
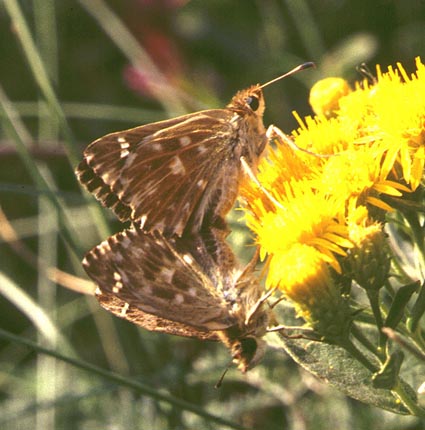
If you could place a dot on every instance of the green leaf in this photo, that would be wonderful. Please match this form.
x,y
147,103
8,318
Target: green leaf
x,y
337,367
397,310
417,310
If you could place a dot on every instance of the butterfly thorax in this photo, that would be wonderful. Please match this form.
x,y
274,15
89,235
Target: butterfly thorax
x,y
248,106
244,339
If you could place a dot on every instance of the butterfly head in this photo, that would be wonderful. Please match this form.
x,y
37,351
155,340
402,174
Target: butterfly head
x,y
245,340
248,352
249,102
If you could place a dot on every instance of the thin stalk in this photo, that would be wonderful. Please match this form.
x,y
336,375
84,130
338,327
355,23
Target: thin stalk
x,y
373,296
360,337
127,382
131,48
42,79
20,136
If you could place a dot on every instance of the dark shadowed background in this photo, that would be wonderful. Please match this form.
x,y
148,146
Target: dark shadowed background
x,y
102,58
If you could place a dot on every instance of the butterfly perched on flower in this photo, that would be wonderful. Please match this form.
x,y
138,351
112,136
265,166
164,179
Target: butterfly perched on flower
x,y
176,175
189,287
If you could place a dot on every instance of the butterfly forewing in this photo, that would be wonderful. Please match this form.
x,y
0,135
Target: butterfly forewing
x,y
177,172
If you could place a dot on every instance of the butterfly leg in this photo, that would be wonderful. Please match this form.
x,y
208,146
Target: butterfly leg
x,y
274,132
258,304
253,178
303,332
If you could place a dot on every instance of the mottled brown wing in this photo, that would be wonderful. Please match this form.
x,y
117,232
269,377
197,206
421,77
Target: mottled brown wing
x,y
145,272
134,314
166,174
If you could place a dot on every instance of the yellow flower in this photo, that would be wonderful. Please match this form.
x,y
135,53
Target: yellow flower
x,y
321,206
356,174
324,135
392,113
368,260
389,114
305,278
325,95
304,217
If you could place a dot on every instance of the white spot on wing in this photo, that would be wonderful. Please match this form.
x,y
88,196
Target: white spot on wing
x,y
177,167
201,149
124,146
124,309
124,153
143,220
117,276
235,118
104,247
180,224
201,183
187,258
118,257
167,274
178,299
147,290
192,291
185,140
156,147
125,243
130,159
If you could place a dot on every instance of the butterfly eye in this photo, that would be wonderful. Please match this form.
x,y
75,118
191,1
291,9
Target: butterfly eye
x,y
253,102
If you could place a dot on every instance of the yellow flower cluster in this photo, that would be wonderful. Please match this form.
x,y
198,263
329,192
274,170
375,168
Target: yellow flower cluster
x,y
370,145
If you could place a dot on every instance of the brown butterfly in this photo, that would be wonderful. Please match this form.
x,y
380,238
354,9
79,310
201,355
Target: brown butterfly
x,y
179,174
184,286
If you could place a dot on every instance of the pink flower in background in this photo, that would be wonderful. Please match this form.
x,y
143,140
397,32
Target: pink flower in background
x,y
151,22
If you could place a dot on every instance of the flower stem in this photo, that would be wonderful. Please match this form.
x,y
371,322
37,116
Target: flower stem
x,y
357,333
408,401
358,355
373,297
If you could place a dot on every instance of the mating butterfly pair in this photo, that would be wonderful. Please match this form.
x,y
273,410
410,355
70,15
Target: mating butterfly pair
x,y
176,180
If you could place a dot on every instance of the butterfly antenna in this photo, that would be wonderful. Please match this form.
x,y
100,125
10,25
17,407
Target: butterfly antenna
x,y
297,69
220,381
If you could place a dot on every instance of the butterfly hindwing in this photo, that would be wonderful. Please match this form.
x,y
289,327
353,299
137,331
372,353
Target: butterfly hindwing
x,y
144,271
134,314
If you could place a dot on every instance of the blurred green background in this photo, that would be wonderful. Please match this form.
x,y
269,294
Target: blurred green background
x,y
101,59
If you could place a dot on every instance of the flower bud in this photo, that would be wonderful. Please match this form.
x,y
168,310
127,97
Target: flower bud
x,y
325,95
304,276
